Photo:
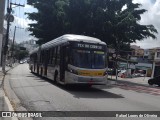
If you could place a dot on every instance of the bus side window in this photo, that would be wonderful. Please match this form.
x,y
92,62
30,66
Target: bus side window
x,y
47,57
41,57
56,50
58,55
52,56
67,59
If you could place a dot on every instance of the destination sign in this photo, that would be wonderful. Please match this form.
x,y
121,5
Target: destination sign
x,y
89,46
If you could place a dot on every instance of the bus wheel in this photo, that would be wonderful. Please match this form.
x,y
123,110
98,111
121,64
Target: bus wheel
x,y
31,70
55,76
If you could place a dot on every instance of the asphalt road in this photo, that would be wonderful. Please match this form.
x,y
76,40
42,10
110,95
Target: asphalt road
x,y
38,94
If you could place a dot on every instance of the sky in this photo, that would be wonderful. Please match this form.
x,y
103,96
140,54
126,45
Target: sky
x,y
152,16
20,21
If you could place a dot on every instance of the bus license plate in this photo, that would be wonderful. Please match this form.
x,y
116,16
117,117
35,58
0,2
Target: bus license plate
x,y
90,73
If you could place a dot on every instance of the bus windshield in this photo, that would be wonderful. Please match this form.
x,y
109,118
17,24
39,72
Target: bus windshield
x,y
88,59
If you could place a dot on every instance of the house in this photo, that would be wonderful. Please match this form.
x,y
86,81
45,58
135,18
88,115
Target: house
x,y
29,45
156,62
137,51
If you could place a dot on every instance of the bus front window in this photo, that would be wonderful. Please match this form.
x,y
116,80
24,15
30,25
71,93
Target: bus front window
x,y
88,59
98,60
81,58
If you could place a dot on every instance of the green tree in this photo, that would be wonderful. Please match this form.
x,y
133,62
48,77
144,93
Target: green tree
x,y
49,19
19,52
104,19
22,54
123,25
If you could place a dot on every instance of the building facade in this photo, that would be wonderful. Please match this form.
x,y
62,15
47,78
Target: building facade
x,y
137,51
156,62
29,45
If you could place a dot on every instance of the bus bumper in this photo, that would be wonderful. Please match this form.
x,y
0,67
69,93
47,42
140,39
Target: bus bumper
x,y
78,79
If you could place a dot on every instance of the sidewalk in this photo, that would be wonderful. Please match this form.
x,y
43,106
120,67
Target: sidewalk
x,y
3,104
2,75
137,80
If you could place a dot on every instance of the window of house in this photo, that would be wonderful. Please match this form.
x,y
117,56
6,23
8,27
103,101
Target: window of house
x,y
158,54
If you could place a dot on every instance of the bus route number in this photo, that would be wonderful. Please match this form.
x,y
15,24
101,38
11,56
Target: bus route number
x,y
89,46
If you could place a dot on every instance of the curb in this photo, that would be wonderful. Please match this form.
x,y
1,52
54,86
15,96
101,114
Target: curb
x,y
1,84
13,98
131,83
3,75
10,107
8,102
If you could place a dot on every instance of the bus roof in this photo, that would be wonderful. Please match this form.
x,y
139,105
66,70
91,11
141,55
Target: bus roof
x,y
67,38
72,37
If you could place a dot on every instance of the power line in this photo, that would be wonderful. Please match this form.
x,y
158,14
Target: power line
x,y
9,19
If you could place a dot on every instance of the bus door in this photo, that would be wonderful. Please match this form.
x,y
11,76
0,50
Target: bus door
x,y
63,59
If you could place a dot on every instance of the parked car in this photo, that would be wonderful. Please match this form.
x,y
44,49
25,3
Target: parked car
x,y
155,80
21,62
122,72
28,60
138,75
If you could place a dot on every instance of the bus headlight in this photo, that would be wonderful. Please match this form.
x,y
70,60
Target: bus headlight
x,y
73,71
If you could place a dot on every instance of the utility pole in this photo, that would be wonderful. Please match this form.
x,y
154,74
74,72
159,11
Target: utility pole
x,y
13,44
9,19
2,6
117,56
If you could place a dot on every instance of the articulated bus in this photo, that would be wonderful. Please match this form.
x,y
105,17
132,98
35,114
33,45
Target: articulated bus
x,y
71,59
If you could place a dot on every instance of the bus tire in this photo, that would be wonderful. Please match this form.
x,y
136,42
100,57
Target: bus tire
x,y
31,69
56,77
